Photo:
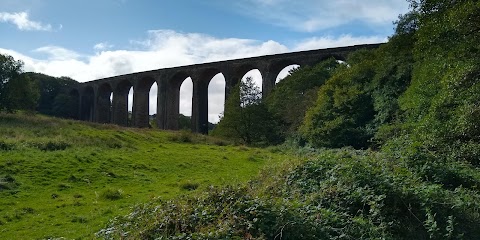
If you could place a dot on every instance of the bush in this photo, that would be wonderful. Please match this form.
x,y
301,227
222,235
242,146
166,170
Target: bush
x,y
344,108
112,194
183,136
190,186
54,145
6,146
8,182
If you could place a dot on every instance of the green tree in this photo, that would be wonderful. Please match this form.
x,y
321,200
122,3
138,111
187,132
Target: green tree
x,y
344,108
9,69
53,99
443,100
393,74
246,118
22,93
17,90
65,106
297,92
361,99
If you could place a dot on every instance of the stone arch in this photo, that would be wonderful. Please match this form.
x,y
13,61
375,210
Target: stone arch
x,y
249,70
173,95
141,102
337,57
87,104
256,76
279,66
120,103
274,69
244,70
200,99
104,104
172,79
285,72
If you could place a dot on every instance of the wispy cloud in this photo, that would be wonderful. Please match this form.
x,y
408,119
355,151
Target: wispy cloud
x,y
56,53
315,15
22,21
102,46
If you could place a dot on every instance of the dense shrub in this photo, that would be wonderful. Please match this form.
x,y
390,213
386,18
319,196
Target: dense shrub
x,y
442,103
8,182
111,194
51,145
344,106
296,93
6,146
246,118
339,194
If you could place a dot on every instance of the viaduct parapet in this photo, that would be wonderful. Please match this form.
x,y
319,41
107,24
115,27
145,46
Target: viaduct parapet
x,y
94,96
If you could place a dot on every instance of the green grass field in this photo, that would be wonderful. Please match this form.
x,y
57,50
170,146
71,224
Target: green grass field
x,y
62,178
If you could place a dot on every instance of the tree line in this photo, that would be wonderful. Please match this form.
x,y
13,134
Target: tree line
x,y
420,88
33,92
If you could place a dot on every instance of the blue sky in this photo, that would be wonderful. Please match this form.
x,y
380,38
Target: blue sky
x,y
91,39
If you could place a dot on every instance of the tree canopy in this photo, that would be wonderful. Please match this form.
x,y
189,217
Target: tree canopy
x,y
246,118
296,93
17,90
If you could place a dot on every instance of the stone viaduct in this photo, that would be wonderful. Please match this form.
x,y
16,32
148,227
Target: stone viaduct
x,y
94,103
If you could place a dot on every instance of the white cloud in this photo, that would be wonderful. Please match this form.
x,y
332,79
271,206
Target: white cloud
x,y
314,15
21,20
55,53
166,48
329,42
102,46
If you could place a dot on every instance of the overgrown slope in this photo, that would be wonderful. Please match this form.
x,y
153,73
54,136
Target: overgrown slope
x,y
62,178
336,194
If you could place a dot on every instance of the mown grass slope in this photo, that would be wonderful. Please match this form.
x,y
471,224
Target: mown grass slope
x,y
62,178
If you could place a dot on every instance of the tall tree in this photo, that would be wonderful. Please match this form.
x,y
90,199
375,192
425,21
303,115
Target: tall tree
x,y
9,69
53,100
393,75
246,118
297,92
344,107
443,99
22,93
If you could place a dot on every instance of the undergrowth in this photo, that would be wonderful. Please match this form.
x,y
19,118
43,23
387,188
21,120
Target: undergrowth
x,y
337,194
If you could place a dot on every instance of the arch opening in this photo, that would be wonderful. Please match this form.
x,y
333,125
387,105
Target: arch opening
x,y
286,71
130,106
256,77
216,98
152,108
185,106
252,93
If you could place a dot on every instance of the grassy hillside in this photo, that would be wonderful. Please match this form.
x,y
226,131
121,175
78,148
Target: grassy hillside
x,y
61,178
335,194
